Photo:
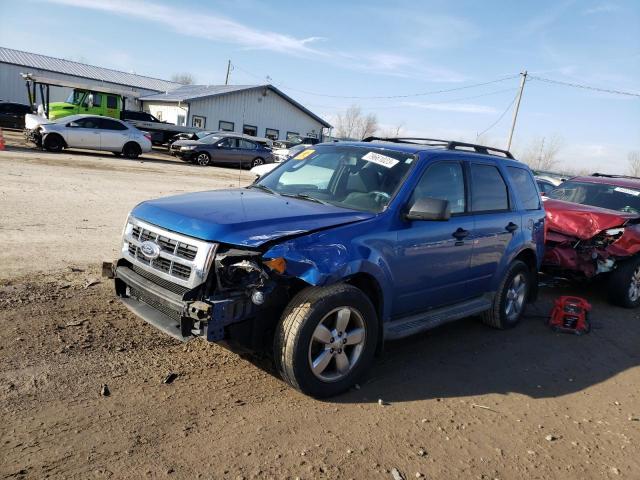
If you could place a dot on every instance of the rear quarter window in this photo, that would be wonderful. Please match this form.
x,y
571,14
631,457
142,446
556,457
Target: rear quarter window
x,y
524,187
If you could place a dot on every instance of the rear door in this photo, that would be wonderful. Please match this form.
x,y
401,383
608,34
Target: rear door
x,y
113,135
248,151
83,133
497,224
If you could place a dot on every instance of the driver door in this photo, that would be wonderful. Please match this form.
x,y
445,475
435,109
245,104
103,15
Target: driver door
x,y
431,263
227,151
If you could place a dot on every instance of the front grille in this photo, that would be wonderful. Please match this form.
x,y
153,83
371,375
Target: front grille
x,y
180,290
153,302
179,259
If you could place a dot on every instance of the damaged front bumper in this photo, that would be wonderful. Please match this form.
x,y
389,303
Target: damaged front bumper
x,y
174,312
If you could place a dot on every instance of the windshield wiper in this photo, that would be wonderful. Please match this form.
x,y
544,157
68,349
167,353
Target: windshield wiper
x,y
263,188
304,196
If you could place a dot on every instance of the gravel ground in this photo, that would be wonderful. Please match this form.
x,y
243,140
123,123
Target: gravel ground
x,y
462,401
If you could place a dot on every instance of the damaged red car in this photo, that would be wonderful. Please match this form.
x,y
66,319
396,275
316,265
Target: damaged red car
x,y
593,229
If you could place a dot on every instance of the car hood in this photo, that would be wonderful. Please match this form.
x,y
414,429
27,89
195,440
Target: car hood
x,y
582,221
184,143
244,217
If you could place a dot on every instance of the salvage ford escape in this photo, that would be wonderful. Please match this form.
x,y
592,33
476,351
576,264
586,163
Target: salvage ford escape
x,y
342,247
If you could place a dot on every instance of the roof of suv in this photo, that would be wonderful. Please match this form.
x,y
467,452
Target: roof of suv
x,y
615,180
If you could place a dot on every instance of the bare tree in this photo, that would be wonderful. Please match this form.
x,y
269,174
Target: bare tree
x,y
634,163
393,132
353,124
184,78
542,153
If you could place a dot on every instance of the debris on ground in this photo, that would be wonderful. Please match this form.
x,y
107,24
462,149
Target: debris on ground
x,y
395,473
171,376
104,390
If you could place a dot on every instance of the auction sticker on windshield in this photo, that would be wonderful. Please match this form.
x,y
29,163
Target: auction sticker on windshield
x,y
628,191
380,159
304,154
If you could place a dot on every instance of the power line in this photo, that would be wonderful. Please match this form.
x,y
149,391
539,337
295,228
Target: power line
x,y
585,87
499,118
378,97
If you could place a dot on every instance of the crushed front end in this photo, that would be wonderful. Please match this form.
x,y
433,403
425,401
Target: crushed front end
x,y
189,288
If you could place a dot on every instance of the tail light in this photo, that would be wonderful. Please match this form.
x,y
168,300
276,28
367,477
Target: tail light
x,y
147,136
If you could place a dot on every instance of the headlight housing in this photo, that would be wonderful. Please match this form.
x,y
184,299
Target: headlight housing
x,y
188,147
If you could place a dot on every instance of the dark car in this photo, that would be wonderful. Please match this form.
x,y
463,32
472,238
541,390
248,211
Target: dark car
x,y
190,136
139,116
12,114
336,251
223,148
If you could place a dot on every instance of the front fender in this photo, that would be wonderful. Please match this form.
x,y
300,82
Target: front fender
x,y
331,256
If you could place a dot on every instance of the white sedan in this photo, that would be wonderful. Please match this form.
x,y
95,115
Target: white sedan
x,y
89,132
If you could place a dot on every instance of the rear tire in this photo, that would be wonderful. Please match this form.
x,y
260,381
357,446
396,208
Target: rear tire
x,y
203,159
326,339
511,297
257,161
53,143
131,150
624,284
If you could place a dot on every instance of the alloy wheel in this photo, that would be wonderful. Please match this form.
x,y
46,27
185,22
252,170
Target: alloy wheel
x,y
515,297
634,285
337,344
203,159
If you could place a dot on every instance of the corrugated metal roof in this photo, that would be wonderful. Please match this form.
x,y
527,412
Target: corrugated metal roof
x,y
187,93
52,64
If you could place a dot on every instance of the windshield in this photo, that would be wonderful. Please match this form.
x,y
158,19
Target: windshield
x,y
622,199
201,135
209,139
75,97
358,178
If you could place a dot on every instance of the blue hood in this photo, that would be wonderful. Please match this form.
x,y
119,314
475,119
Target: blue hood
x,y
246,217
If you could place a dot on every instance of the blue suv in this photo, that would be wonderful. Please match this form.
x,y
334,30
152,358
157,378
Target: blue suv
x,y
337,250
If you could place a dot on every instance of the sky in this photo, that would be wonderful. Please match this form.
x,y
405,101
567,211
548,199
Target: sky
x,y
324,54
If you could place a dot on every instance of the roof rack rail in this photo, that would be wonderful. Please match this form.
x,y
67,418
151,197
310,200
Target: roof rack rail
x,y
610,175
448,144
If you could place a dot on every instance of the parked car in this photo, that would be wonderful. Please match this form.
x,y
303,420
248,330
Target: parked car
x,y
89,132
279,155
337,251
545,186
191,136
593,227
12,114
224,148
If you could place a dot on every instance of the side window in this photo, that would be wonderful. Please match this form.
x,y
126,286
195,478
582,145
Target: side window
x,y
228,143
444,181
488,190
97,99
111,124
525,187
112,101
247,145
88,123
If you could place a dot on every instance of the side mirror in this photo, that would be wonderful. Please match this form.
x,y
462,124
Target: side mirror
x,y
429,209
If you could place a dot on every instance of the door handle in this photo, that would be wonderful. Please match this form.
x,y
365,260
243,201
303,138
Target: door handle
x,y
512,227
460,234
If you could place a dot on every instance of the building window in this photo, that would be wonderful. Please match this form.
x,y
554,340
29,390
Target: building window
x,y
291,135
112,101
198,121
272,133
226,126
159,115
250,130
312,135
181,120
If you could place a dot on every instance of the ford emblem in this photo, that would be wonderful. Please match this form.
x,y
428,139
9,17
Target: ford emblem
x,y
150,249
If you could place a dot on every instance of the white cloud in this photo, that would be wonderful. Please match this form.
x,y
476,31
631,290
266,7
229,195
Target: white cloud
x,y
195,23
602,8
452,107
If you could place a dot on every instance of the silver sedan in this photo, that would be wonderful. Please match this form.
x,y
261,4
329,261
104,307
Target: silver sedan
x,y
89,132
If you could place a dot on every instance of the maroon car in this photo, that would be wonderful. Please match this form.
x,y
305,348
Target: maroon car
x,y
592,229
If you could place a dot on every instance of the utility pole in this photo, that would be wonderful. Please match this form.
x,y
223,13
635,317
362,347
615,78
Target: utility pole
x,y
226,80
515,112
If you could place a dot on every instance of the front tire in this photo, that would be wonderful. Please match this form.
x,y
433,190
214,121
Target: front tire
x,y
326,339
53,143
511,297
203,159
624,284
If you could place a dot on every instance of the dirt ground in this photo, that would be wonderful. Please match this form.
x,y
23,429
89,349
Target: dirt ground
x,y
462,401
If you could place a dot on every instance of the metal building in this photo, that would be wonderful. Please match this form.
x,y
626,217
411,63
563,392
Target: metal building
x,y
258,110
15,62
